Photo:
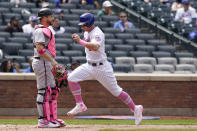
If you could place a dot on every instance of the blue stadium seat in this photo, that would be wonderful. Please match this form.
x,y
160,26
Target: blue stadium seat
x,y
125,68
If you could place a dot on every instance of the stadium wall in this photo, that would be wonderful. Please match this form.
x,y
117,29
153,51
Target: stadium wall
x,y
166,94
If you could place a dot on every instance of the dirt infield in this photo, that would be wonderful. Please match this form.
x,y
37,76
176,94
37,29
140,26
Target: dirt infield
x,y
92,127
95,127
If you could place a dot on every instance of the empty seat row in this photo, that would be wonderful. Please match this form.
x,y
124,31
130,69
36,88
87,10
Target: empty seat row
x,y
153,61
162,68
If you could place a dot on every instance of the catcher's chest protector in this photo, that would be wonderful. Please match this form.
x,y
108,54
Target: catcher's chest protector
x,y
51,44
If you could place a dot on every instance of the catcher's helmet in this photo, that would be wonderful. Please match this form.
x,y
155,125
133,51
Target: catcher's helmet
x,y
86,18
44,12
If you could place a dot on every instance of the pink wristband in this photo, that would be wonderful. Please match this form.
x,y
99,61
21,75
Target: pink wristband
x,y
83,43
42,51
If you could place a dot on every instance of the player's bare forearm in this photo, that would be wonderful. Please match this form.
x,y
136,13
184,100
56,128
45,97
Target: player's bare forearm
x,y
45,55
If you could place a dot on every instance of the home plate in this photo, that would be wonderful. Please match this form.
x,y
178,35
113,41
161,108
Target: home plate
x,y
110,117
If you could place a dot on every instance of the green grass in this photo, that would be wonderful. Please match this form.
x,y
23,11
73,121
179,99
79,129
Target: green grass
x,y
104,122
149,130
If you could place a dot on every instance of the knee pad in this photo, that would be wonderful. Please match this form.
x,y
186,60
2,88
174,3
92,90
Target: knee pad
x,y
43,103
53,103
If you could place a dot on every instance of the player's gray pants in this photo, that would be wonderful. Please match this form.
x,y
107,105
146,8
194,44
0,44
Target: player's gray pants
x,y
103,73
44,78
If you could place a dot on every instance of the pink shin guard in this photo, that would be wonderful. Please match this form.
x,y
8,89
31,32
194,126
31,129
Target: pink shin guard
x,y
127,100
46,108
76,91
53,103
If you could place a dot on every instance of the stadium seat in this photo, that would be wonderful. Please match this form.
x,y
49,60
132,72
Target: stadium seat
x,y
122,68
148,48
29,46
58,53
134,42
26,52
183,54
117,53
19,59
167,48
164,68
78,11
124,35
66,41
167,61
139,54
64,35
62,59
77,47
109,18
156,42
61,47
110,30
146,60
72,53
109,36
68,17
7,5
4,34
114,41
125,60
71,29
21,34
2,10
158,54
145,36
186,60
133,31
101,24
81,59
143,68
185,68
126,48
108,48
21,40
12,48
67,6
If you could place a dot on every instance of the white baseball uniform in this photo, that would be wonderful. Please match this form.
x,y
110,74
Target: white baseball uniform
x,y
187,16
97,66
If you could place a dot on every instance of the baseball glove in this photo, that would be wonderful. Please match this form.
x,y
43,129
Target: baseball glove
x,y
60,76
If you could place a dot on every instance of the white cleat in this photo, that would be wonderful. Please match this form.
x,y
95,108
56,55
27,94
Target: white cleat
x,y
47,124
80,107
138,114
60,122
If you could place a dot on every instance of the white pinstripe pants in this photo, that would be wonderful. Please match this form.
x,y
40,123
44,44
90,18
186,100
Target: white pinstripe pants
x,y
102,73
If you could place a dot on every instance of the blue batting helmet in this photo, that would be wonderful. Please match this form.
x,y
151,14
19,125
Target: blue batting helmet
x,y
86,18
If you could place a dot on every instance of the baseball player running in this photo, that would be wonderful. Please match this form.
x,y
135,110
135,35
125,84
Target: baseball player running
x,y
43,63
97,67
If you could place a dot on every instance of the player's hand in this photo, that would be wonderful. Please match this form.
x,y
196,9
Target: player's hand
x,y
76,37
54,64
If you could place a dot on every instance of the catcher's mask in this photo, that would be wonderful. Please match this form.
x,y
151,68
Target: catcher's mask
x,y
86,18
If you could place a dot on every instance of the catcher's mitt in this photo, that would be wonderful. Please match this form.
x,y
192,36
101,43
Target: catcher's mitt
x,y
60,76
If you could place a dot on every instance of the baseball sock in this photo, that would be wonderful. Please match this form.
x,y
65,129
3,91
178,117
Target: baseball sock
x,y
127,100
76,91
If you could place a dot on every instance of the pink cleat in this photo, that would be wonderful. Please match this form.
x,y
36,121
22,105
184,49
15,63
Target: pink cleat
x,y
138,114
80,107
